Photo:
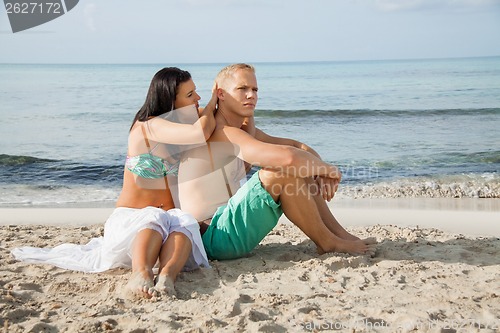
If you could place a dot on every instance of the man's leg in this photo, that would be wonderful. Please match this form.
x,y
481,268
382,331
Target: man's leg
x,y
239,226
301,209
326,214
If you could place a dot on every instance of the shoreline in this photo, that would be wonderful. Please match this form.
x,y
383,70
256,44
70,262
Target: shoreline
x,y
474,217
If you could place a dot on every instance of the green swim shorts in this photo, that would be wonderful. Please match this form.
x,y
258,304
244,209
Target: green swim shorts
x,y
239,226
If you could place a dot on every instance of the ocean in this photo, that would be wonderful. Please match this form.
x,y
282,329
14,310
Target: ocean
x,y
396,128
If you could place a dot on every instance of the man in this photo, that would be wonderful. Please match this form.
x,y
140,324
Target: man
x,y
292,180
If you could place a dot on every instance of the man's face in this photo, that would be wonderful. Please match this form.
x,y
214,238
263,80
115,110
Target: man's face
x,y
240,92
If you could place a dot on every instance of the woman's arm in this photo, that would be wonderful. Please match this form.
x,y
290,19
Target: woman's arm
x,y
165,131
207,119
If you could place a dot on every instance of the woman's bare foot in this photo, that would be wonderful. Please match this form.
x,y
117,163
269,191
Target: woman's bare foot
x,y
356,247
141,284
165,285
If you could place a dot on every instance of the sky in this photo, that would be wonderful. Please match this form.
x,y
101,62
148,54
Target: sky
x,y
222,31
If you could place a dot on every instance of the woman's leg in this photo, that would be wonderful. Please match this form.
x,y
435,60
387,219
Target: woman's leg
x,y
145,251
173,256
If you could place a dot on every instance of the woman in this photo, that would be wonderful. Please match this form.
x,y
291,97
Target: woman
x,y
170,89
145,228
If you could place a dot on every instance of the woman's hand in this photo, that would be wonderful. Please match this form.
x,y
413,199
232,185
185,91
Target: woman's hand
x,y
207,117
212,103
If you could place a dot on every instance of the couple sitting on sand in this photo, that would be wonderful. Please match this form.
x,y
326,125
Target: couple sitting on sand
x,y
199,164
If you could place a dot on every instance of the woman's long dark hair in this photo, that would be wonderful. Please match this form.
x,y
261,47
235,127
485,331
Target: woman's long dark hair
x,y
161,94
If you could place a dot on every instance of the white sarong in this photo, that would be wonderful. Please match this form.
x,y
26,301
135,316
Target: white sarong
x,y
114,248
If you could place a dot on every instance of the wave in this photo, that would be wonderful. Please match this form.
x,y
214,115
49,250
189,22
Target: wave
x,y
18,160
477,157
49,172
442,160
304,113
98,195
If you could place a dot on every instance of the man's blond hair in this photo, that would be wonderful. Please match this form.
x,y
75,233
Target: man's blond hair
x,y
229,70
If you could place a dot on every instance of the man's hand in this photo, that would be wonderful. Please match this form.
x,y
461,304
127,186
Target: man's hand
x,y
249,126
327,186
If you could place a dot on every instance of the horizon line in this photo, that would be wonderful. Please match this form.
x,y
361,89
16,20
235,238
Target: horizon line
x,y
250,62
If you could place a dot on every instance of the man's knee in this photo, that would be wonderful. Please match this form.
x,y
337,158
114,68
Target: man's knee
x,y
272,182
278,183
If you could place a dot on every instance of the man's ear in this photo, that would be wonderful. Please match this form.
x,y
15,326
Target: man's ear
x,y
221,94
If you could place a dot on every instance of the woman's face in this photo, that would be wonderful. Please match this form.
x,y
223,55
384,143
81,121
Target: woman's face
x,y
186,95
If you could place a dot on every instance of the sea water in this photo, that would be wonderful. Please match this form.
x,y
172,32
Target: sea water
x,y
399,128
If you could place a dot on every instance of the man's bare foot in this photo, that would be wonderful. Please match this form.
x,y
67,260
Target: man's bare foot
x,y
344,234
340,232
356,247
165,285
370,240
141,285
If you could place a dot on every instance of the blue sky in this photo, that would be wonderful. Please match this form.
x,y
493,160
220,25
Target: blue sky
x,y
219,31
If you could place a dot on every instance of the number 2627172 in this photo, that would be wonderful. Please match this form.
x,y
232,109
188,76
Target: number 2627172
x,y
33,7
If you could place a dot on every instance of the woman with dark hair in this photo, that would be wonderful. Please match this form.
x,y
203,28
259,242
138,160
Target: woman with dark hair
x,y
145,186
145,227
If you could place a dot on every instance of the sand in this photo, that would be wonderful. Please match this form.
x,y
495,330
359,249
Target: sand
x,y
437,269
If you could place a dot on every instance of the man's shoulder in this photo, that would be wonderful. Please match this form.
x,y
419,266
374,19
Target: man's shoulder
x,y
227,134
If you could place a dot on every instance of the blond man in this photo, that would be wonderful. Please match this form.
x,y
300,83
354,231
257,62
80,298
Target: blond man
x,y
292,179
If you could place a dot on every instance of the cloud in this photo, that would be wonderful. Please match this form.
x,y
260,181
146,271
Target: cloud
x,y
394,5
403,5
88,13
224,3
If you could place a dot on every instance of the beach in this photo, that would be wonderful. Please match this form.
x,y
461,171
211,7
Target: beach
x,y
436,269
417,142
403,97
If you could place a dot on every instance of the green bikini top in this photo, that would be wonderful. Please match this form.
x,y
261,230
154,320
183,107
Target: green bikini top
x,y
151,166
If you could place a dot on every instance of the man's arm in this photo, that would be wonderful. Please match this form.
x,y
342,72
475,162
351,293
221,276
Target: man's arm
x,y
249,127
281,157
260,135
326,185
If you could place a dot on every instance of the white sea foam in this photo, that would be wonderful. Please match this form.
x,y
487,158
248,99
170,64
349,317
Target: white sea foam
x,y
464,186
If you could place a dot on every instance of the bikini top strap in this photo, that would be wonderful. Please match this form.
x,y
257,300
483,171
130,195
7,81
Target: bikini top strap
x,y
145,137
149,148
